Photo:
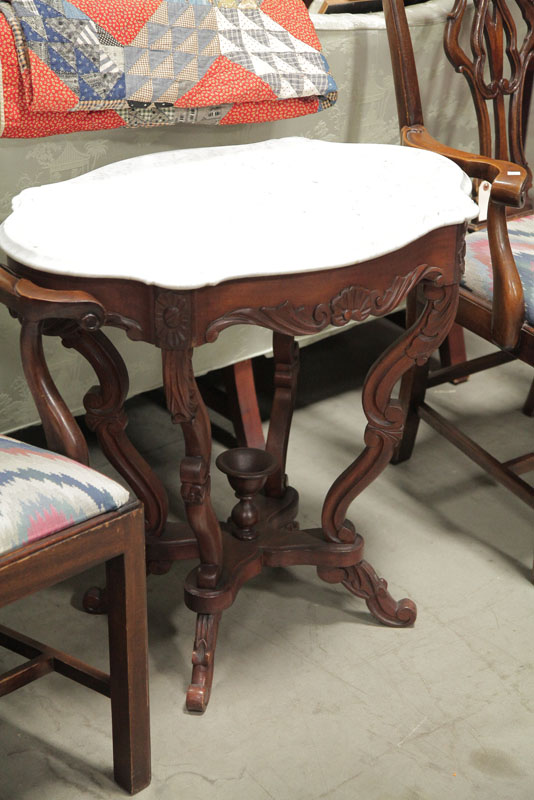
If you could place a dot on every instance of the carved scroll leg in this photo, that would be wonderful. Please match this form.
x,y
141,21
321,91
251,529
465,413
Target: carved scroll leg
x,y
187,409
384,429
198,693
106,417
361,579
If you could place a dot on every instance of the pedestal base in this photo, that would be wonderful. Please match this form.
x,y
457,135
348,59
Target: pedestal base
x,y
279,543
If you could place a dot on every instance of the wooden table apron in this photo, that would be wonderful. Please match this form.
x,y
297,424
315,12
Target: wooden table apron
x,y
176,321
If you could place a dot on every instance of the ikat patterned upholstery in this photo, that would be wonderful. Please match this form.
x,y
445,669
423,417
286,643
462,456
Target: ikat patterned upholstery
x,y
139,63
478,277
42,493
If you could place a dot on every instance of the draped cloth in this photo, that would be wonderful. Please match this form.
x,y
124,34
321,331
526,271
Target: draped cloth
x,y
69,65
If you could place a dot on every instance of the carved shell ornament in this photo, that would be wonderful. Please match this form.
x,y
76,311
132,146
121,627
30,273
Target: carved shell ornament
x,y
351,303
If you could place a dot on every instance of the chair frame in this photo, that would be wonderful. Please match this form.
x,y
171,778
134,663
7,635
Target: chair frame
x,y
502,322
116,539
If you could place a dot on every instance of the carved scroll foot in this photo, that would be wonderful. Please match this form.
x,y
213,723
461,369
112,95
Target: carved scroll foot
x,y
362,581
198,694
95,600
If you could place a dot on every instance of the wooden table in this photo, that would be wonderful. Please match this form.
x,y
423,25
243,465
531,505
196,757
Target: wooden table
x,y
232,552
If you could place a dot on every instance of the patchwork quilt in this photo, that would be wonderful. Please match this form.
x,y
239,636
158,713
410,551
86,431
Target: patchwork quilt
x,y
71,65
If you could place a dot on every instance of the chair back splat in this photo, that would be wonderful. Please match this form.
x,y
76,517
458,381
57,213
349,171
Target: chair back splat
x,y
493,32
497,89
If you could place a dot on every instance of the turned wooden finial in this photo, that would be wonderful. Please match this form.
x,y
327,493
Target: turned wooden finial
x,y
247,470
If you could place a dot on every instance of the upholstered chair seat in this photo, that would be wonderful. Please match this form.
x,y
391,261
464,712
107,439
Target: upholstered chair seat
x,y
42,493
59,518
478,277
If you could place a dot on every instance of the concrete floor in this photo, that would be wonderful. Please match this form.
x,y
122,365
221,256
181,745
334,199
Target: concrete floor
x,y
313,699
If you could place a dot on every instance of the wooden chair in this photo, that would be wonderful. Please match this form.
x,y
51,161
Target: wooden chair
x,y
88,519
497,298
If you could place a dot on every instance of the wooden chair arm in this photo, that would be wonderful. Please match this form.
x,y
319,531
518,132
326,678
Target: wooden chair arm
x,y
509,183
34,303
508,180
508,306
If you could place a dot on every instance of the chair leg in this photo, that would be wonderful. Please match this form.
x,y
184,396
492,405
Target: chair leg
x,y
243,404
412,392
126,589
453,351
528,408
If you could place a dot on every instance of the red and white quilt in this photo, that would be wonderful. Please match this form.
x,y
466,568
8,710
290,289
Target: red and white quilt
x,y
72,65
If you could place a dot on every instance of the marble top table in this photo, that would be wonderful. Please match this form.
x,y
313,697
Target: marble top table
x,y
176,247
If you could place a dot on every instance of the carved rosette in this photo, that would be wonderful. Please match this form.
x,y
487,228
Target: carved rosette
x,y
352,303
172,318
